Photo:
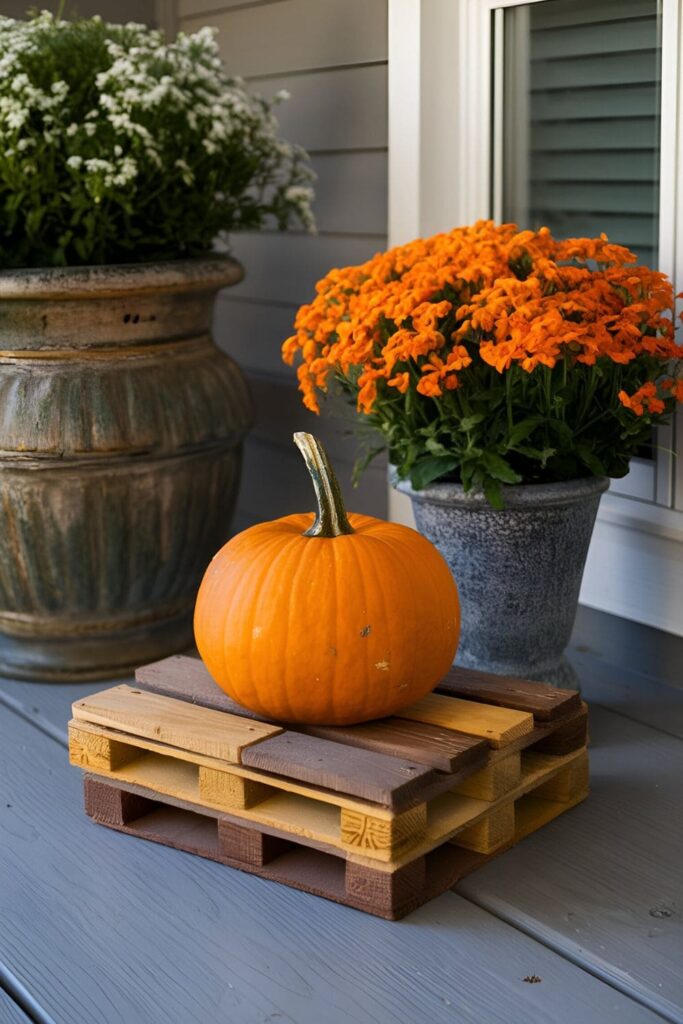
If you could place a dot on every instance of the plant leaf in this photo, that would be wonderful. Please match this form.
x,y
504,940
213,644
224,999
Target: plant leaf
x,y
499,468
467,422
493,492
590,460
426,470
521,430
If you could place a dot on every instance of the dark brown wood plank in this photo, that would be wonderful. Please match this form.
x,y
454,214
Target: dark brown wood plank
x,y
188,679
543,701
389,781
442,749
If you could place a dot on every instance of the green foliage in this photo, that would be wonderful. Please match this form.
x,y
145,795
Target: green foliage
x,y
547,425
116,146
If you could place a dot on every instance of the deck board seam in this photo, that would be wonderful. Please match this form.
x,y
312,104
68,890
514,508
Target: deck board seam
x,y
20,995
544,936
37,721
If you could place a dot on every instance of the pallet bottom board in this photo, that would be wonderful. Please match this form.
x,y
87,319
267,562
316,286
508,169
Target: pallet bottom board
x,y
304,868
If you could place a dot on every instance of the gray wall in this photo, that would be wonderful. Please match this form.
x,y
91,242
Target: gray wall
x,y
331,55
110,10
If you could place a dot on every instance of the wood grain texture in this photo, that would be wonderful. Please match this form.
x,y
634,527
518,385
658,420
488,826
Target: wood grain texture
x,y
247,845
390,895
493,781
176,772
225,789
366,834
542,701
10,1012
498,726
390,781
90,750
432,745
443,749
493,832
325,819
604,888
282,953
180,724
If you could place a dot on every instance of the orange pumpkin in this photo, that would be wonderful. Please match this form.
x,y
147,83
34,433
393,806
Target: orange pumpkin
x,y
327,619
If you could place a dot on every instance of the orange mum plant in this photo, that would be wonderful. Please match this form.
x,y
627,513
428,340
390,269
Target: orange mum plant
x,y
492,355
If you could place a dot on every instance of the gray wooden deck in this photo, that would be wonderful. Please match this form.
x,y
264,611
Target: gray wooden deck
x,y
100,927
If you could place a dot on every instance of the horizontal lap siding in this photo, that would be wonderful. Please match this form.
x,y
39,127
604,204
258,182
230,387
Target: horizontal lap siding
x,y
330,55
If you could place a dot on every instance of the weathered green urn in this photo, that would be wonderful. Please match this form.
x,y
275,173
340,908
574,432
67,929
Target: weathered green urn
x,y
121,427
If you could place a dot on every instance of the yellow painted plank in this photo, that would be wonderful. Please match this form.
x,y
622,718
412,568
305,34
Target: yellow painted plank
x,y
277,782
494,780
176,722
309,813
497,725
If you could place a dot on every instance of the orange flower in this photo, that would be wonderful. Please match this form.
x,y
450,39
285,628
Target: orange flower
x,y
645,398
484,294
401,381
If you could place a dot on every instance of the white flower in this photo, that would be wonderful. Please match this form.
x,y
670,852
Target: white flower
x,y
74,162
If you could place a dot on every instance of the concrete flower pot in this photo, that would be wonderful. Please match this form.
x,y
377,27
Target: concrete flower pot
x,y
120,444
518,570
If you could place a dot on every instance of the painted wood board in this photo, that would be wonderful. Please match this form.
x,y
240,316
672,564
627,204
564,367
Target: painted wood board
x,y
542,701
363,831
179,724
163,754
498,726
390,781
332,109
605,887
280,37
443,749
285,268
240,948
364,888
10,1012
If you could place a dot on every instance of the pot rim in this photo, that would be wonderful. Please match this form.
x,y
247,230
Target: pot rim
x,y
199,273
515,496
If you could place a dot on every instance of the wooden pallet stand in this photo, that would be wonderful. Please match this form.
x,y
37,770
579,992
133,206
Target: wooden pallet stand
x,y
381,816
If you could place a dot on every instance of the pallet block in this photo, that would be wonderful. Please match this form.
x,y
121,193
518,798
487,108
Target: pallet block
x,y
331,819
388,894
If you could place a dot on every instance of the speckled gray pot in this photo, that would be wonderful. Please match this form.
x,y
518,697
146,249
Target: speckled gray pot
x,y
121,427
518,570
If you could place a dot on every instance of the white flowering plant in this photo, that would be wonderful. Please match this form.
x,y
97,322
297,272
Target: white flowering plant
x,y
117,146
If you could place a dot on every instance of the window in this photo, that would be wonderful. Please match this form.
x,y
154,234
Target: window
x,y
577,105
567,113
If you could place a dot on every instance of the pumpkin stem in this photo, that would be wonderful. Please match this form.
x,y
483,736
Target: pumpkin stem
x,y
331,520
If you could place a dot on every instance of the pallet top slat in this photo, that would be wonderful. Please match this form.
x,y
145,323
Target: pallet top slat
x,y
390,781
544,702
177,723
431,745
498,726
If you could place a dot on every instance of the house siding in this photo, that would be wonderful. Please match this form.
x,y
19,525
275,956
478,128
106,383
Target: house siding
x,y
331,55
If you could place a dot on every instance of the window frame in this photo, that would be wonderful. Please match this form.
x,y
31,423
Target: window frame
x,y
443,80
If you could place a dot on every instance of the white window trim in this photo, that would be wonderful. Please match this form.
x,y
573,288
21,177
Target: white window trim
x,y
440,142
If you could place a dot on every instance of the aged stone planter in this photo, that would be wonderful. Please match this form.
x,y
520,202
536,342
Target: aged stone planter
x,y
120,443
518,570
